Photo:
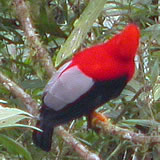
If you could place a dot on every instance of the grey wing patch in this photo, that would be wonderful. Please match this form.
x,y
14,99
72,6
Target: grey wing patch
x,y
56,75
67,88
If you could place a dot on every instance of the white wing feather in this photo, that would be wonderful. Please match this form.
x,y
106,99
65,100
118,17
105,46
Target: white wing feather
x,y
66,88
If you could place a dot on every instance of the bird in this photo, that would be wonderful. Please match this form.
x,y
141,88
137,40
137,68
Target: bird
x,y
91,78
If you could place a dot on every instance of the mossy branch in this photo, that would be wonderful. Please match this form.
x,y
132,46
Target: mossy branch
x,y
42,54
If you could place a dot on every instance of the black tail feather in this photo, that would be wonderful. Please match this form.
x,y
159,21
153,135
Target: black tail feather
x,y
43,139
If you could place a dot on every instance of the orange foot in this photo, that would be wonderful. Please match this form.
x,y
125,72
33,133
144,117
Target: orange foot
x,y
94,118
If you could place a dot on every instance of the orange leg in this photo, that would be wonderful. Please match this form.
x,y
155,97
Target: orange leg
x,y
93,119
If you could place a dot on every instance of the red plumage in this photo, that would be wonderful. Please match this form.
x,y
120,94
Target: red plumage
x,y
93,77
111,59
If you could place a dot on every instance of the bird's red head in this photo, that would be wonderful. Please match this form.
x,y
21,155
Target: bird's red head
x,y
125,43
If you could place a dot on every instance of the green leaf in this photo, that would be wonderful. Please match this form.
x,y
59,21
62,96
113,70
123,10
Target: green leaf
x,y
135,85
10,112
46,23
155,71
156,92
146,123
10,116
14,147
32,84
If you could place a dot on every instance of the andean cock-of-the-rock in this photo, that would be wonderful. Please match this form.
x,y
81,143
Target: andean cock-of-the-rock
x,y
93,77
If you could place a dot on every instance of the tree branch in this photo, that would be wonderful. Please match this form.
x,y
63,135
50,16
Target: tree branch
x,y
76,145
30,104
109,128
42,54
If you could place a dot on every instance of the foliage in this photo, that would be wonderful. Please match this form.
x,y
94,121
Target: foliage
x,y
138,107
